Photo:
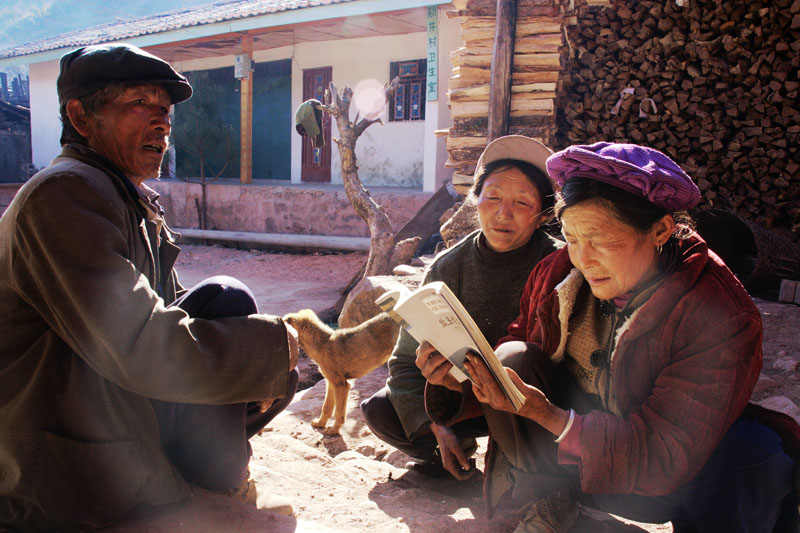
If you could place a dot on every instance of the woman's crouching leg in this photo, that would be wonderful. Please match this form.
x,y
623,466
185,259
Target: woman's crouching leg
x,y
529,448
746,485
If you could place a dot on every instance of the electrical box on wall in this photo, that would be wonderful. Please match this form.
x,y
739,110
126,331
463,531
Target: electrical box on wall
x,y
242,66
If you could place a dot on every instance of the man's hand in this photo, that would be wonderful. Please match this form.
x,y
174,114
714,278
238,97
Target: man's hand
x,y
453,458
435,367
294,356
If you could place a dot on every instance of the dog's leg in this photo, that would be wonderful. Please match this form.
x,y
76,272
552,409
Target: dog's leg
x,y
341,389
327,406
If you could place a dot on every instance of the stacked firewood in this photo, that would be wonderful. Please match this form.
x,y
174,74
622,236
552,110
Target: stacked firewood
x,y
536,67
713,84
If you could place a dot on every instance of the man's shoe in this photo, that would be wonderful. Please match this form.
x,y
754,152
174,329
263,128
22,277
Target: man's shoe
x,y
274,503
555,513
247,492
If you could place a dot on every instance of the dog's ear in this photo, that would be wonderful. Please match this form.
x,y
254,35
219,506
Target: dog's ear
x,y
307,314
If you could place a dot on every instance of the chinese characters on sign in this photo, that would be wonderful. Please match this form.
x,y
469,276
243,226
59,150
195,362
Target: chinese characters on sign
x,y
433,54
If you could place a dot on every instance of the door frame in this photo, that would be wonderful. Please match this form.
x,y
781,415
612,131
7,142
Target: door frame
x,y
315,163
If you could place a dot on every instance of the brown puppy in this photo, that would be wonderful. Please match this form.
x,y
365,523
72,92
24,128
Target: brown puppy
x,y
343,354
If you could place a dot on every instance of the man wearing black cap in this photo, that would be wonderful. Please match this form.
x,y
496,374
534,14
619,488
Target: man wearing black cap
x,y
117,386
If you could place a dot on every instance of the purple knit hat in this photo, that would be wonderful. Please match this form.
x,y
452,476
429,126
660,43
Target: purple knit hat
x,y
637,169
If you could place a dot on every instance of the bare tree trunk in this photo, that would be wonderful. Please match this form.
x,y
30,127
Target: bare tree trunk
x,y
380,227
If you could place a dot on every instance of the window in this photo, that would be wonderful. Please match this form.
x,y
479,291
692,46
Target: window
x,y
408,102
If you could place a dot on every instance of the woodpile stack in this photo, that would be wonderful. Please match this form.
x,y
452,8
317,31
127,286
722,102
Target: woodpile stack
x,y
536,67
713,84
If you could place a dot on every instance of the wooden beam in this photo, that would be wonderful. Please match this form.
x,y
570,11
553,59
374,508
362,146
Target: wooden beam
x,y
502,65
246,92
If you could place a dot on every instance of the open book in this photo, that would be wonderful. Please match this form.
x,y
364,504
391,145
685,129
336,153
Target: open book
x,y
433,313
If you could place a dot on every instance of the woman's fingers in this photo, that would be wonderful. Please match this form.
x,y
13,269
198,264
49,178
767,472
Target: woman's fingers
x,y
485,387
434,366
427,356
437,369
424,352
480,373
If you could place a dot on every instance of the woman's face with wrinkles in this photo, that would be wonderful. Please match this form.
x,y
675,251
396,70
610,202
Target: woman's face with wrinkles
x,y
509,209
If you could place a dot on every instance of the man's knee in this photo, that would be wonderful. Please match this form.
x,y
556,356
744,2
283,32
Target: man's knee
x,y
227,282
218,297
235,294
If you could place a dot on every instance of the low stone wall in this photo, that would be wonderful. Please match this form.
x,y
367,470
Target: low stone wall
x,y
272,206
279,207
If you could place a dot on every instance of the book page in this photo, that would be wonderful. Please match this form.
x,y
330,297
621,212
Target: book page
x,y
483,348
434,314
427,317
449,336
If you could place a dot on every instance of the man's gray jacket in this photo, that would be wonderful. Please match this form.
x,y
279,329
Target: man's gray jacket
x,y
86,340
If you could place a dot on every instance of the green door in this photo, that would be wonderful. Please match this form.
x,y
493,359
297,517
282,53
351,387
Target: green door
x,y
272,120
205,129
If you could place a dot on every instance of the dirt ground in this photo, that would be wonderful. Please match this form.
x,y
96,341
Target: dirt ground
x,y
355,482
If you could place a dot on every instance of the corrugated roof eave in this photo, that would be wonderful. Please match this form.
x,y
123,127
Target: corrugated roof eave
x,y
171,22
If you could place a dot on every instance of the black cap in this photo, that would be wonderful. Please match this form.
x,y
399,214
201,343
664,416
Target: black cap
x,y
90,68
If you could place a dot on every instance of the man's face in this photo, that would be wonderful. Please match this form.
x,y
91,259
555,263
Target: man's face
x,y
132,131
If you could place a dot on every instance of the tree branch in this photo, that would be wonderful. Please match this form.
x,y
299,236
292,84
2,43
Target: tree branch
x,y
365,123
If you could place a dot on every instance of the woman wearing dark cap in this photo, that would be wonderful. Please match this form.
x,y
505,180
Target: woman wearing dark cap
x,y
487,271
637,351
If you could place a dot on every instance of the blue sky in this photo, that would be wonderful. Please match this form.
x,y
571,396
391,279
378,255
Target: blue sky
x,y
23,21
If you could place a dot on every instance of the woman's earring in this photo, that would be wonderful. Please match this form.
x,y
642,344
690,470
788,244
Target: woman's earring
x,y
659,249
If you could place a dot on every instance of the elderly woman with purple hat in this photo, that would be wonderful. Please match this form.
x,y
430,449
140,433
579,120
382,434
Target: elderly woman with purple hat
x,y
637,351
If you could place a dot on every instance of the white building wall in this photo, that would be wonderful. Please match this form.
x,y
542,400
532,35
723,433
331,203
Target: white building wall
x,y
388,154
45,124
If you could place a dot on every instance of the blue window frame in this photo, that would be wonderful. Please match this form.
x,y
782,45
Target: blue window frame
x,y
408,102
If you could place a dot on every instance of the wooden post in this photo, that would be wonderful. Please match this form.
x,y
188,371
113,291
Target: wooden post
x,y
789,291
502,65
246,90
